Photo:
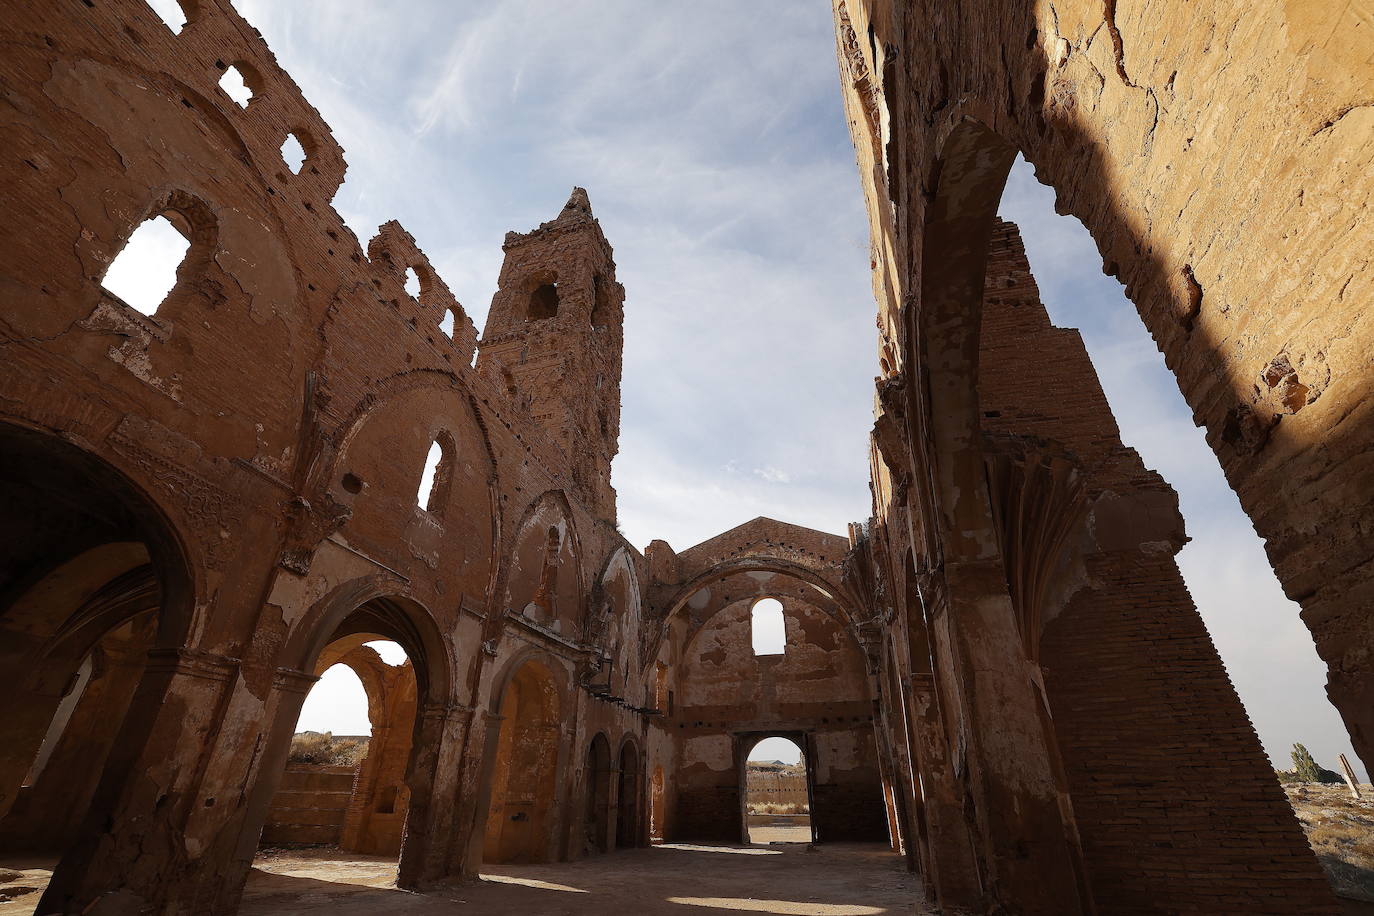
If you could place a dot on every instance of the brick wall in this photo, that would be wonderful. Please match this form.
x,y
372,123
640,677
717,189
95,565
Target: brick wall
x,y
1175,801
309,805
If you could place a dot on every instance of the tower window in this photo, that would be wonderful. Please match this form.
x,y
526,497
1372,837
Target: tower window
x,y
544,302
601,311
144,272
769,631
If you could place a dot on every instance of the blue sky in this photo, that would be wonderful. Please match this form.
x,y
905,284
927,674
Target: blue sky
x,y
711,139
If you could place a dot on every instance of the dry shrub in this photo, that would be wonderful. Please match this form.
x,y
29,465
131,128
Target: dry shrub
x,y
775,808
324,749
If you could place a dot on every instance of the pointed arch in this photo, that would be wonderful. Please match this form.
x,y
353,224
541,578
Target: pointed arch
x,y
544,577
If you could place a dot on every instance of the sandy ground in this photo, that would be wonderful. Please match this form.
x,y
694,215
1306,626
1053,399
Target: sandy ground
x,y
834,880
831,880
780,834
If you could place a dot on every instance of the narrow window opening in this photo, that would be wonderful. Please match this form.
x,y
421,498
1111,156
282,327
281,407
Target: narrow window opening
x,y
171,12
601,311
446,324
145,270
293,153
412,283
769,630
544,302
432,479
234,85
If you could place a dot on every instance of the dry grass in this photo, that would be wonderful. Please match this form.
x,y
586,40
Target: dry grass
x,y
324,748
1341,831
775,808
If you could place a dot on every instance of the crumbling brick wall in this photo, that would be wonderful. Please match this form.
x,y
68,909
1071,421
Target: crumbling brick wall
x,y
1174,800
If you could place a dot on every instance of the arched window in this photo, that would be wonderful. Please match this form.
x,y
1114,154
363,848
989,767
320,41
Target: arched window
x,y
293,153
145,270
434,478
412,283
172,12
768,629
544,302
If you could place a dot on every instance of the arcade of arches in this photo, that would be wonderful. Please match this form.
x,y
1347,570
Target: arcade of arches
x,y
999,679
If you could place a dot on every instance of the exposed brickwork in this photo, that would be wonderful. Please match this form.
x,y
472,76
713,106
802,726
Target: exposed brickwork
x,y
225,494
1176,803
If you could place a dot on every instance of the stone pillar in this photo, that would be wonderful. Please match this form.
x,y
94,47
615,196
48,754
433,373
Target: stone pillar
x,y
484,731
151,840
1028,859
434,825
952,870
353,836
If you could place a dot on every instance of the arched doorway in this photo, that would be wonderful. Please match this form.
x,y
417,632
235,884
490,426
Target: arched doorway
x,y
521,814
627,798
598,795
91,578
344,781
777,794
388,811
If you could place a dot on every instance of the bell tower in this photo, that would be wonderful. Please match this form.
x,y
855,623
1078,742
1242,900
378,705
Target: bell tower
x,y
555,331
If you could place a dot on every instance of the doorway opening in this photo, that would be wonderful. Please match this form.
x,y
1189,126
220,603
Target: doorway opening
x,y
627,798
598,795
777,797
344,783
351,789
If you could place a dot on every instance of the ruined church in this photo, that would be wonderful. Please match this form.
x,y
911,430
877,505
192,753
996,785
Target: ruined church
x,y
999,676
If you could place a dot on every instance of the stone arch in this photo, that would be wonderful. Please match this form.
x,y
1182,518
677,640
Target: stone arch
x,y
712,589
377,471
628,793
374,607
614,618
945,329
380,797
745,744
95,576
597,776
521,814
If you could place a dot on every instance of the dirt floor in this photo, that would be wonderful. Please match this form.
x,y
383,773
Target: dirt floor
x,y
834,880
785,878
